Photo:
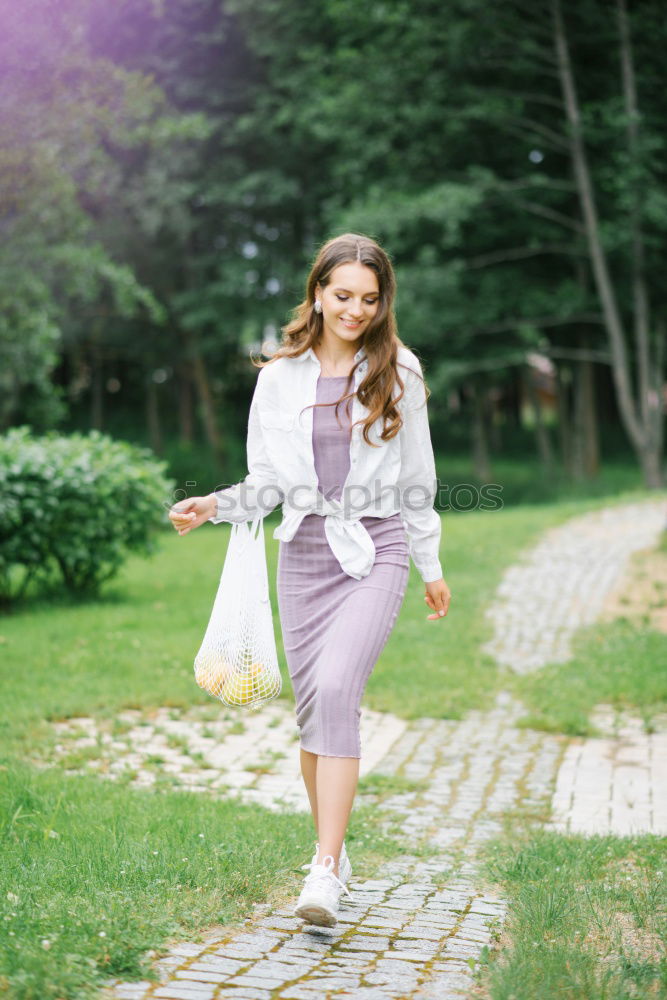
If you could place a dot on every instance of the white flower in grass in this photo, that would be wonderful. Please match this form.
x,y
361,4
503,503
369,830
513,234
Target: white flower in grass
x,y
46,944
12,897
102,934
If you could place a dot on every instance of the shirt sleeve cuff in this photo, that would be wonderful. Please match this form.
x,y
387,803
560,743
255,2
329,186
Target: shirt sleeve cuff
x,y
430,572
215,518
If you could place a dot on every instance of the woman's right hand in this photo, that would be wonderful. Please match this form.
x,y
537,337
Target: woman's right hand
x,y
189,514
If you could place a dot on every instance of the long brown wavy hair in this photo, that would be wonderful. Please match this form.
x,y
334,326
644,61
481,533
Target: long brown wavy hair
x,y
380,340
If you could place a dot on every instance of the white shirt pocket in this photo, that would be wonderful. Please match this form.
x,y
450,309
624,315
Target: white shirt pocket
x,y
277,420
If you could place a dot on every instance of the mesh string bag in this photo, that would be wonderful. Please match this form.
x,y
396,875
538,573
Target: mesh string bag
x,y
237,661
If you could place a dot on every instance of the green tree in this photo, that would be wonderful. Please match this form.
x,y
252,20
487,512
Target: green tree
x,y
66,117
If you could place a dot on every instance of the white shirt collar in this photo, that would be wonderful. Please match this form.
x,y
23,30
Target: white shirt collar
x,y
310,353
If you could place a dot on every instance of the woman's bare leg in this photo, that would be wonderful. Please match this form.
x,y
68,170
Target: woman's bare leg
x,y
331,784
309,771
336,785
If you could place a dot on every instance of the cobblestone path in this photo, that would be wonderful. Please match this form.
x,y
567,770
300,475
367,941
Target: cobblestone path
x,y
563,581
251,755
417,928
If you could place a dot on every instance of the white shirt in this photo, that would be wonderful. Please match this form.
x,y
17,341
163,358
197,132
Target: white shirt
x,y
396,477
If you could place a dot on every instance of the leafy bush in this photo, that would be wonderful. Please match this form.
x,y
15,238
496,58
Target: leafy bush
x,y
76,504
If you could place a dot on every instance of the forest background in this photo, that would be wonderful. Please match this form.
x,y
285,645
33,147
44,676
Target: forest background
x,y
168,170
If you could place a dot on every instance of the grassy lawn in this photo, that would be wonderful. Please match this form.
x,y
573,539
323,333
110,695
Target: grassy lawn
x,y
524,481
619,663
587,918
95,873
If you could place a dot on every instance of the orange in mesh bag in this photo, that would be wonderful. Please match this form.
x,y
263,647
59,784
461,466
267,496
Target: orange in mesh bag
x,y
237,661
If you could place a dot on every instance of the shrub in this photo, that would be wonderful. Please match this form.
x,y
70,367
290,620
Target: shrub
x,y
76,504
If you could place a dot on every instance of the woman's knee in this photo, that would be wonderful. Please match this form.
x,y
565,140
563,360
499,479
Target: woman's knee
x,y
335,700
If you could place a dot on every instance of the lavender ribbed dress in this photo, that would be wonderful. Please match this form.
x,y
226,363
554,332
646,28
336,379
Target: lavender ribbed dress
x,y
335,627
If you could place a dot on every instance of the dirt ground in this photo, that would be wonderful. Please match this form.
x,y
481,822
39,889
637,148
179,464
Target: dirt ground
x,y
641,596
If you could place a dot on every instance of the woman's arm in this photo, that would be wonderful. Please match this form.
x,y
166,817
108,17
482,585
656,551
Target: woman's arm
x,y
259,492
417,481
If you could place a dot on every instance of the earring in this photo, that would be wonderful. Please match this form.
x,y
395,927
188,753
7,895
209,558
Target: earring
x,y
318,306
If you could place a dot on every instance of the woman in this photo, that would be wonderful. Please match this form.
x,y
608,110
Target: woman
x,y
338,433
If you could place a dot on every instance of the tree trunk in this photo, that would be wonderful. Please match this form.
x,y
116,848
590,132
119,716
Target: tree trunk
x,y
585,460
206,402
639,291
153,417
638,420
513,402
651,463
9,400
650,371
589,423
542,438
565,433
659,404
480,445
185,412
495,426
96,381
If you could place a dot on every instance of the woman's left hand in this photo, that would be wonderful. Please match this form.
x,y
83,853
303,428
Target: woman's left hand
x,y
438,598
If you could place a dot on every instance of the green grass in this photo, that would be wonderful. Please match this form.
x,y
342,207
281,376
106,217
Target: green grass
x,y
382,785
587,918
618,663
101,874
524,482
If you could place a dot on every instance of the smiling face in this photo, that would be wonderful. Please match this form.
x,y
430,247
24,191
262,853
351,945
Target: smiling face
x,y
350,300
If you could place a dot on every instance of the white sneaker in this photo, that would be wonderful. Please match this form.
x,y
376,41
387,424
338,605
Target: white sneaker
x,y
344,866
320,896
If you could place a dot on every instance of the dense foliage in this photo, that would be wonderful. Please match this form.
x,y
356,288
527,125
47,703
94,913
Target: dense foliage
x,y
170,169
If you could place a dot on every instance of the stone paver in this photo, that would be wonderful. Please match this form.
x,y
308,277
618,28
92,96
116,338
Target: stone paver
x,y
563,582
252,755
616,783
